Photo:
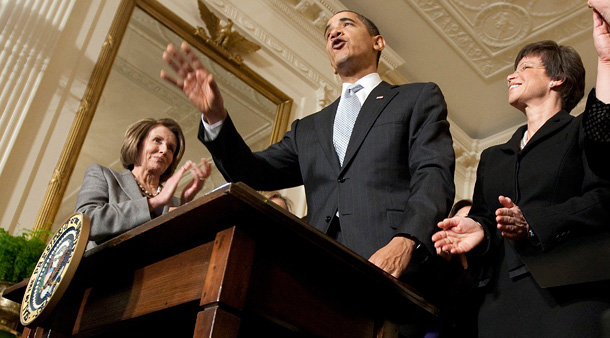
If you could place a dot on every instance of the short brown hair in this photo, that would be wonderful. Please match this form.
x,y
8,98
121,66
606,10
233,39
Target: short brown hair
x,y
560,63
134,136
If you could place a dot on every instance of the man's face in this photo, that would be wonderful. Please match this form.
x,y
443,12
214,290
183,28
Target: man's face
x,y
349,44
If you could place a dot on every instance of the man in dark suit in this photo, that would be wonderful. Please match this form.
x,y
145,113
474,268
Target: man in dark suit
x,y
383,197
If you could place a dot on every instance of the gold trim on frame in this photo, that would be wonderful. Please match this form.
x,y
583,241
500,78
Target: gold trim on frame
x,y
80,126
82,121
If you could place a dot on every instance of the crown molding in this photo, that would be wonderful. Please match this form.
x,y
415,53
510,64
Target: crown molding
x,y
488,35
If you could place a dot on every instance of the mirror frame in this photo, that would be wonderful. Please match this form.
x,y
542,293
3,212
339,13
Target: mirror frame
x,y
84,115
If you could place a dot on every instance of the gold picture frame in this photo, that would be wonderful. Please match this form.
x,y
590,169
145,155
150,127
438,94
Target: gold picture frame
x,y
96,86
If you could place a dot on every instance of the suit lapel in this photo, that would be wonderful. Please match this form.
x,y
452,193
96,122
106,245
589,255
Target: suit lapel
x,y
372,107
128,183
324,127
555,123
512,146
549,128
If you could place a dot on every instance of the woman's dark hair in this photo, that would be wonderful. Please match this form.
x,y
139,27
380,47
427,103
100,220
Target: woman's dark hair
x,y
560,63
135,134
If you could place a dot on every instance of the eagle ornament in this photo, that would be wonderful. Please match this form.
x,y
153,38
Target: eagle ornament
x,y
222,35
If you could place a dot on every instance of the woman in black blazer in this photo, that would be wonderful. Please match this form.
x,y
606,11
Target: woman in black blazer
x,y
535,198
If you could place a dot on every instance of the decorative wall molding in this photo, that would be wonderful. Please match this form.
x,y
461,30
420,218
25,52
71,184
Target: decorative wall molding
x,y
488,35
312,16
24,55
273,45
309,17
325,96
149,29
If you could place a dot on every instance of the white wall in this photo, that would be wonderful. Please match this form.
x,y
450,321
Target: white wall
x,y
49,49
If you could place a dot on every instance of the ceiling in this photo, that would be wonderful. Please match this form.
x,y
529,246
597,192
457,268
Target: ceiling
x,y
466,46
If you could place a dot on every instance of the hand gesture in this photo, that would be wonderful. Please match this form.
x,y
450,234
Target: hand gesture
x,y
167,193
601,40
511,221
195,81
460,235
200,173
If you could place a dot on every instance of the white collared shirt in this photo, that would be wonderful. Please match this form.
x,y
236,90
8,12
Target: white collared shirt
x,y
368,83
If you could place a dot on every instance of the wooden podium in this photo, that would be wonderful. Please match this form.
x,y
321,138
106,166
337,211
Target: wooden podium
x,y
230,264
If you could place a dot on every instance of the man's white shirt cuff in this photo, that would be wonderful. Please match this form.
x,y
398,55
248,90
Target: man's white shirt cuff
x,y
211,130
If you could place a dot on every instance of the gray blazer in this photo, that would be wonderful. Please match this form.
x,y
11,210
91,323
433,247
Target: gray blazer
x,y
113,202
397,175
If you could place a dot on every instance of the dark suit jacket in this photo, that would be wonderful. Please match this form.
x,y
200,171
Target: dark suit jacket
x,y
550,180
113,202
397,176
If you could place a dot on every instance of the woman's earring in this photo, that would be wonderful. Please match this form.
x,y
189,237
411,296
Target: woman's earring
x,y
551,84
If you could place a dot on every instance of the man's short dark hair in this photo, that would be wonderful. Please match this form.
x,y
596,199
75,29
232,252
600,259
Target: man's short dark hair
x,y
370,26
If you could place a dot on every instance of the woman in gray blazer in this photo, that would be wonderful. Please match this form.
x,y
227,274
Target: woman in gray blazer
x,y
119,201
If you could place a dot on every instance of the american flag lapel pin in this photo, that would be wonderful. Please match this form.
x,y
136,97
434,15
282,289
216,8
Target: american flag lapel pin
x,y
379,97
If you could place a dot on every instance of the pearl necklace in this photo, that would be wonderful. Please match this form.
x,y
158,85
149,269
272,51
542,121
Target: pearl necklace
x,y
147,193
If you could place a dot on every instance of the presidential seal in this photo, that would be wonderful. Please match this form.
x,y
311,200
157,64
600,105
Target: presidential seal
x,y
55,269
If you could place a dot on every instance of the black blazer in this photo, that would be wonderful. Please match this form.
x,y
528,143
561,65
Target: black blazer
x,y
397,176
560,197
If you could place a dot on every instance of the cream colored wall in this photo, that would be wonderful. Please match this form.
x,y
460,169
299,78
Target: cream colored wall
x,y
51,48
44,74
